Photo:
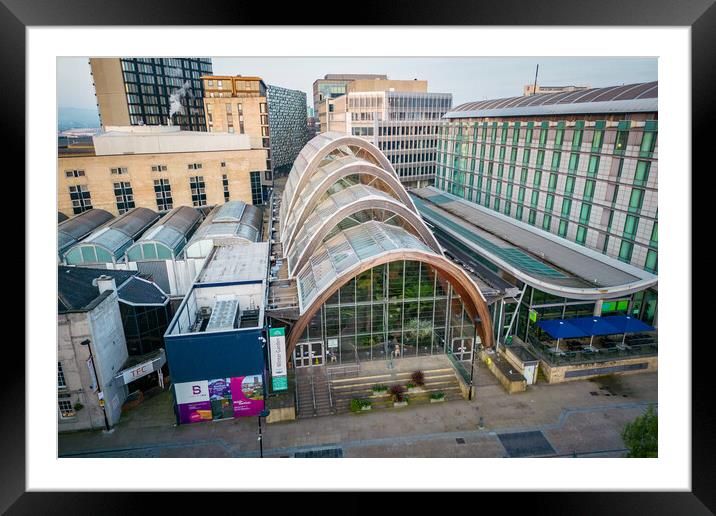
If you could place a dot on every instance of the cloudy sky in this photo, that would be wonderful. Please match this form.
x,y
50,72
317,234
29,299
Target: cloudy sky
x,y
467,78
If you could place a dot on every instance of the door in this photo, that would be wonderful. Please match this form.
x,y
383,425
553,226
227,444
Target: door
x,y
462,348
308,354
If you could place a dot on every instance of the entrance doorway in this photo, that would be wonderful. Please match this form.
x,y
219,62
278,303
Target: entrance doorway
x,y
308,354
461,348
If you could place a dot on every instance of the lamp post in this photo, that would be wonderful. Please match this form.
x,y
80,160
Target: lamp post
x,y
86,342
472,361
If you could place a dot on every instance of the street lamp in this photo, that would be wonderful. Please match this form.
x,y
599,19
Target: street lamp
x,y
472,361
86,342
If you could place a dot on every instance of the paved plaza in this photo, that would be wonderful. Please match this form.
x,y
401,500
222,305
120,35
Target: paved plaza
x,y
581,419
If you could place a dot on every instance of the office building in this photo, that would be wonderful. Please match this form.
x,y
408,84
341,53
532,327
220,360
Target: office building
x,y
239,105
288,126
330,87
401,118
582,165
160,168
150,91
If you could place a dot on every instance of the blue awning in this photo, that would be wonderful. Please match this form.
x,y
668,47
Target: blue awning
x,y
627,324
595,325
562,328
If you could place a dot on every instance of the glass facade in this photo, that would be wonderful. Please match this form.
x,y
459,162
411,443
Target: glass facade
x,y
591,181
399,309
150,84
144,327
288,125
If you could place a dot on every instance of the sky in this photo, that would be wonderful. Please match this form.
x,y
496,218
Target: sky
x,y
467,78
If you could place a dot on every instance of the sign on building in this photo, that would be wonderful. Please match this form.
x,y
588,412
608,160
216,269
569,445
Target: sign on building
x,y
277,349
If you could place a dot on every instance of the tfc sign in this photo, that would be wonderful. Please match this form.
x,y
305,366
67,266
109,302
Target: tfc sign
x,y
137,372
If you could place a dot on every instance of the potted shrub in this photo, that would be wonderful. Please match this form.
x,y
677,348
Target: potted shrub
x,y
78,406
418,378
360,405
399,397
437,397
379,389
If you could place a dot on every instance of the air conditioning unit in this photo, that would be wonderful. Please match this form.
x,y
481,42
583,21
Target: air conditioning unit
x,y
205,311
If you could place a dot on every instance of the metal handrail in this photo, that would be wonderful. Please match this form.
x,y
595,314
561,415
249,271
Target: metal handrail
x,y
330,397
313,394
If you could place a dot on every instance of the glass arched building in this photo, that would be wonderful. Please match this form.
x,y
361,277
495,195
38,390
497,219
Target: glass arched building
x,y
109,243
166,239
231,222
371,279
72,230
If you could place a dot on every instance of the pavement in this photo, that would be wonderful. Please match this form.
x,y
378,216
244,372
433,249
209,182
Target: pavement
x,y
582,418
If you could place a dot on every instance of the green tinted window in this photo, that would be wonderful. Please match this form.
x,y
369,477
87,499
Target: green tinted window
x,y
547,222
569,185
625,251
566,207
549,202
88,254
163,252
103,256
538,178
654,240
562,231
581,235
650,264
150,251
584,213
552,182
636,199
589,189
593,166
641,175
556,158
532,217
518,212
540,159
573,162
630,226
135,253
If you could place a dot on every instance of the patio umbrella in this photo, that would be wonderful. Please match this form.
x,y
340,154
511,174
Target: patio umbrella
x,y
561,329
627,324
595,325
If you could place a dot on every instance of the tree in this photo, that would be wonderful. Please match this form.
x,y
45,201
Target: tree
x,y
641,435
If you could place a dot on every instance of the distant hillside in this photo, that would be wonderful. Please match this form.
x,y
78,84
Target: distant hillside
x,y
71,117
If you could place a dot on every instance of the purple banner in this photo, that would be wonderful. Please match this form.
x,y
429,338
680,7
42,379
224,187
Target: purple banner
x,y
247,393
219,388
195,412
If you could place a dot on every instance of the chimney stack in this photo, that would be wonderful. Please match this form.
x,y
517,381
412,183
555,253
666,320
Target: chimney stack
x,y
105,282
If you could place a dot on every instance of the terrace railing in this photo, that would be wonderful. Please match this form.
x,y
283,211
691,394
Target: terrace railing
x,y
566,357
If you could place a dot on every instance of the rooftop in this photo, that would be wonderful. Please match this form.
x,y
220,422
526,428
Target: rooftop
x,y
640,97
236,263
75,291
532,255
165,139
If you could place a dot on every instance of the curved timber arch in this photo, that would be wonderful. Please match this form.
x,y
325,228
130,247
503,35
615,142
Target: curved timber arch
x,y
309,238
466,288
303,209
303,168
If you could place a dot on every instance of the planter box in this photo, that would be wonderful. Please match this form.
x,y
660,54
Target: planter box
x,y
433,400
400,403
415,390
379,393
362,409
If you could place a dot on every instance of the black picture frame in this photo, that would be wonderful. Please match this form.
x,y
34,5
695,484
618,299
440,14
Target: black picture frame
x,y
700,15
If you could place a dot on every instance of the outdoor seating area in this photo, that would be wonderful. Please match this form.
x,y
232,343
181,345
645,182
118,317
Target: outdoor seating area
x,y
594,338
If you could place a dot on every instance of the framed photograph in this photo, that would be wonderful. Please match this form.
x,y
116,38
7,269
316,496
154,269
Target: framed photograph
x,y
424,244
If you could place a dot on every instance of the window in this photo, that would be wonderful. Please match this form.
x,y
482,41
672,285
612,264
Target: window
x,y
194,166
547,222
584,213
630,226
60,376
654,240
163,193
66,409
118,170
198,192
581,235
74,173
635,200
124,196
641,175
225,184
562,231
648,141
651,261
159,168
625,251
256,191
80,197
589,189
532,217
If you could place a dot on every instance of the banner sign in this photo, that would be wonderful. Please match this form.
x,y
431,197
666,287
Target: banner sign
x,y
93,378
134,373
247,394
193,401
277,350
